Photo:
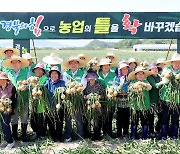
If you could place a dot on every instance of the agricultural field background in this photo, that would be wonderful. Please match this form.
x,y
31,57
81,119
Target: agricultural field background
x,y
149,56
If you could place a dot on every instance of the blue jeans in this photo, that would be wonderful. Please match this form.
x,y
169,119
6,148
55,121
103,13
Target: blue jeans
x,y
6,128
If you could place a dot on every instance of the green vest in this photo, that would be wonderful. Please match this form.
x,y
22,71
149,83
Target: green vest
x,y
78,76
21,76
29,70
14,80
163,91
113,69
154,92
146,98
41,106
108,80
47,67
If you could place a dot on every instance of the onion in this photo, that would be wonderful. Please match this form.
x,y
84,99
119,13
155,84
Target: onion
x,y
9,110
2,109
97,102
39,92
73,90
88,107
58,106
1,105
93,106
109,96
99,105
88,102
68,91
24,82
63,96
115,93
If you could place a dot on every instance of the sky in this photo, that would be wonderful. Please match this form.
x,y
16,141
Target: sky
x,y
87,6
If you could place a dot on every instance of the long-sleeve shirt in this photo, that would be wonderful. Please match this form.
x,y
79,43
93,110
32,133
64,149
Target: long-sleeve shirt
x,y
96,88
154,92
123,95
51,86
9,92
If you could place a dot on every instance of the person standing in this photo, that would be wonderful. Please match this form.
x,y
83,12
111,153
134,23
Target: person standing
x,y
7,54
7,90
15,74
170,108
106,78
74,72
123,112
139,100
55,122
31,64
154,99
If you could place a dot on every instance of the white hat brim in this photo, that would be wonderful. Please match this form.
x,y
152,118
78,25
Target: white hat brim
x,y
50,61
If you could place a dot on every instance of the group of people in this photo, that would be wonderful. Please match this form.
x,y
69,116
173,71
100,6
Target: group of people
x,y
137,94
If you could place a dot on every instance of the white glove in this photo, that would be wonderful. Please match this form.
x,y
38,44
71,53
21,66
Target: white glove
x,y
122,80
164,81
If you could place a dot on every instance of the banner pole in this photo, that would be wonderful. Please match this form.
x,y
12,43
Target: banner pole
x,y
34,50
169,50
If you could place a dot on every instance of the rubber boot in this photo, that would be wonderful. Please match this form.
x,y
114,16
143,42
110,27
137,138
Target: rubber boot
x,y
24,130
15,132
164,130
174,131
144,132
134,132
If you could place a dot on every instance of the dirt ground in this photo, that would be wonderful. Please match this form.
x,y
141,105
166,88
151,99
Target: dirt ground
x,y
51,148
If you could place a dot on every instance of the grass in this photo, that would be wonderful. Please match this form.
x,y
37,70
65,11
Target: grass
x,y
123,54
105,147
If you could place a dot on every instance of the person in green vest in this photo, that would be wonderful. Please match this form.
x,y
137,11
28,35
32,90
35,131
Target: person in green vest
x,y
85,58
7,54
73,71
170,107
52,60
37,118
106,78
114,59
31,64
18,73
139,100
161,64
132,64
154,99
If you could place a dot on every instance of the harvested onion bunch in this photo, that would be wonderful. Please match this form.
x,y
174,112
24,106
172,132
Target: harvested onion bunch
x,y
136,96
58,99
5,106
39,98
74,100
172,93
22,96
33,80
144,64
93,108
92,63
110,100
